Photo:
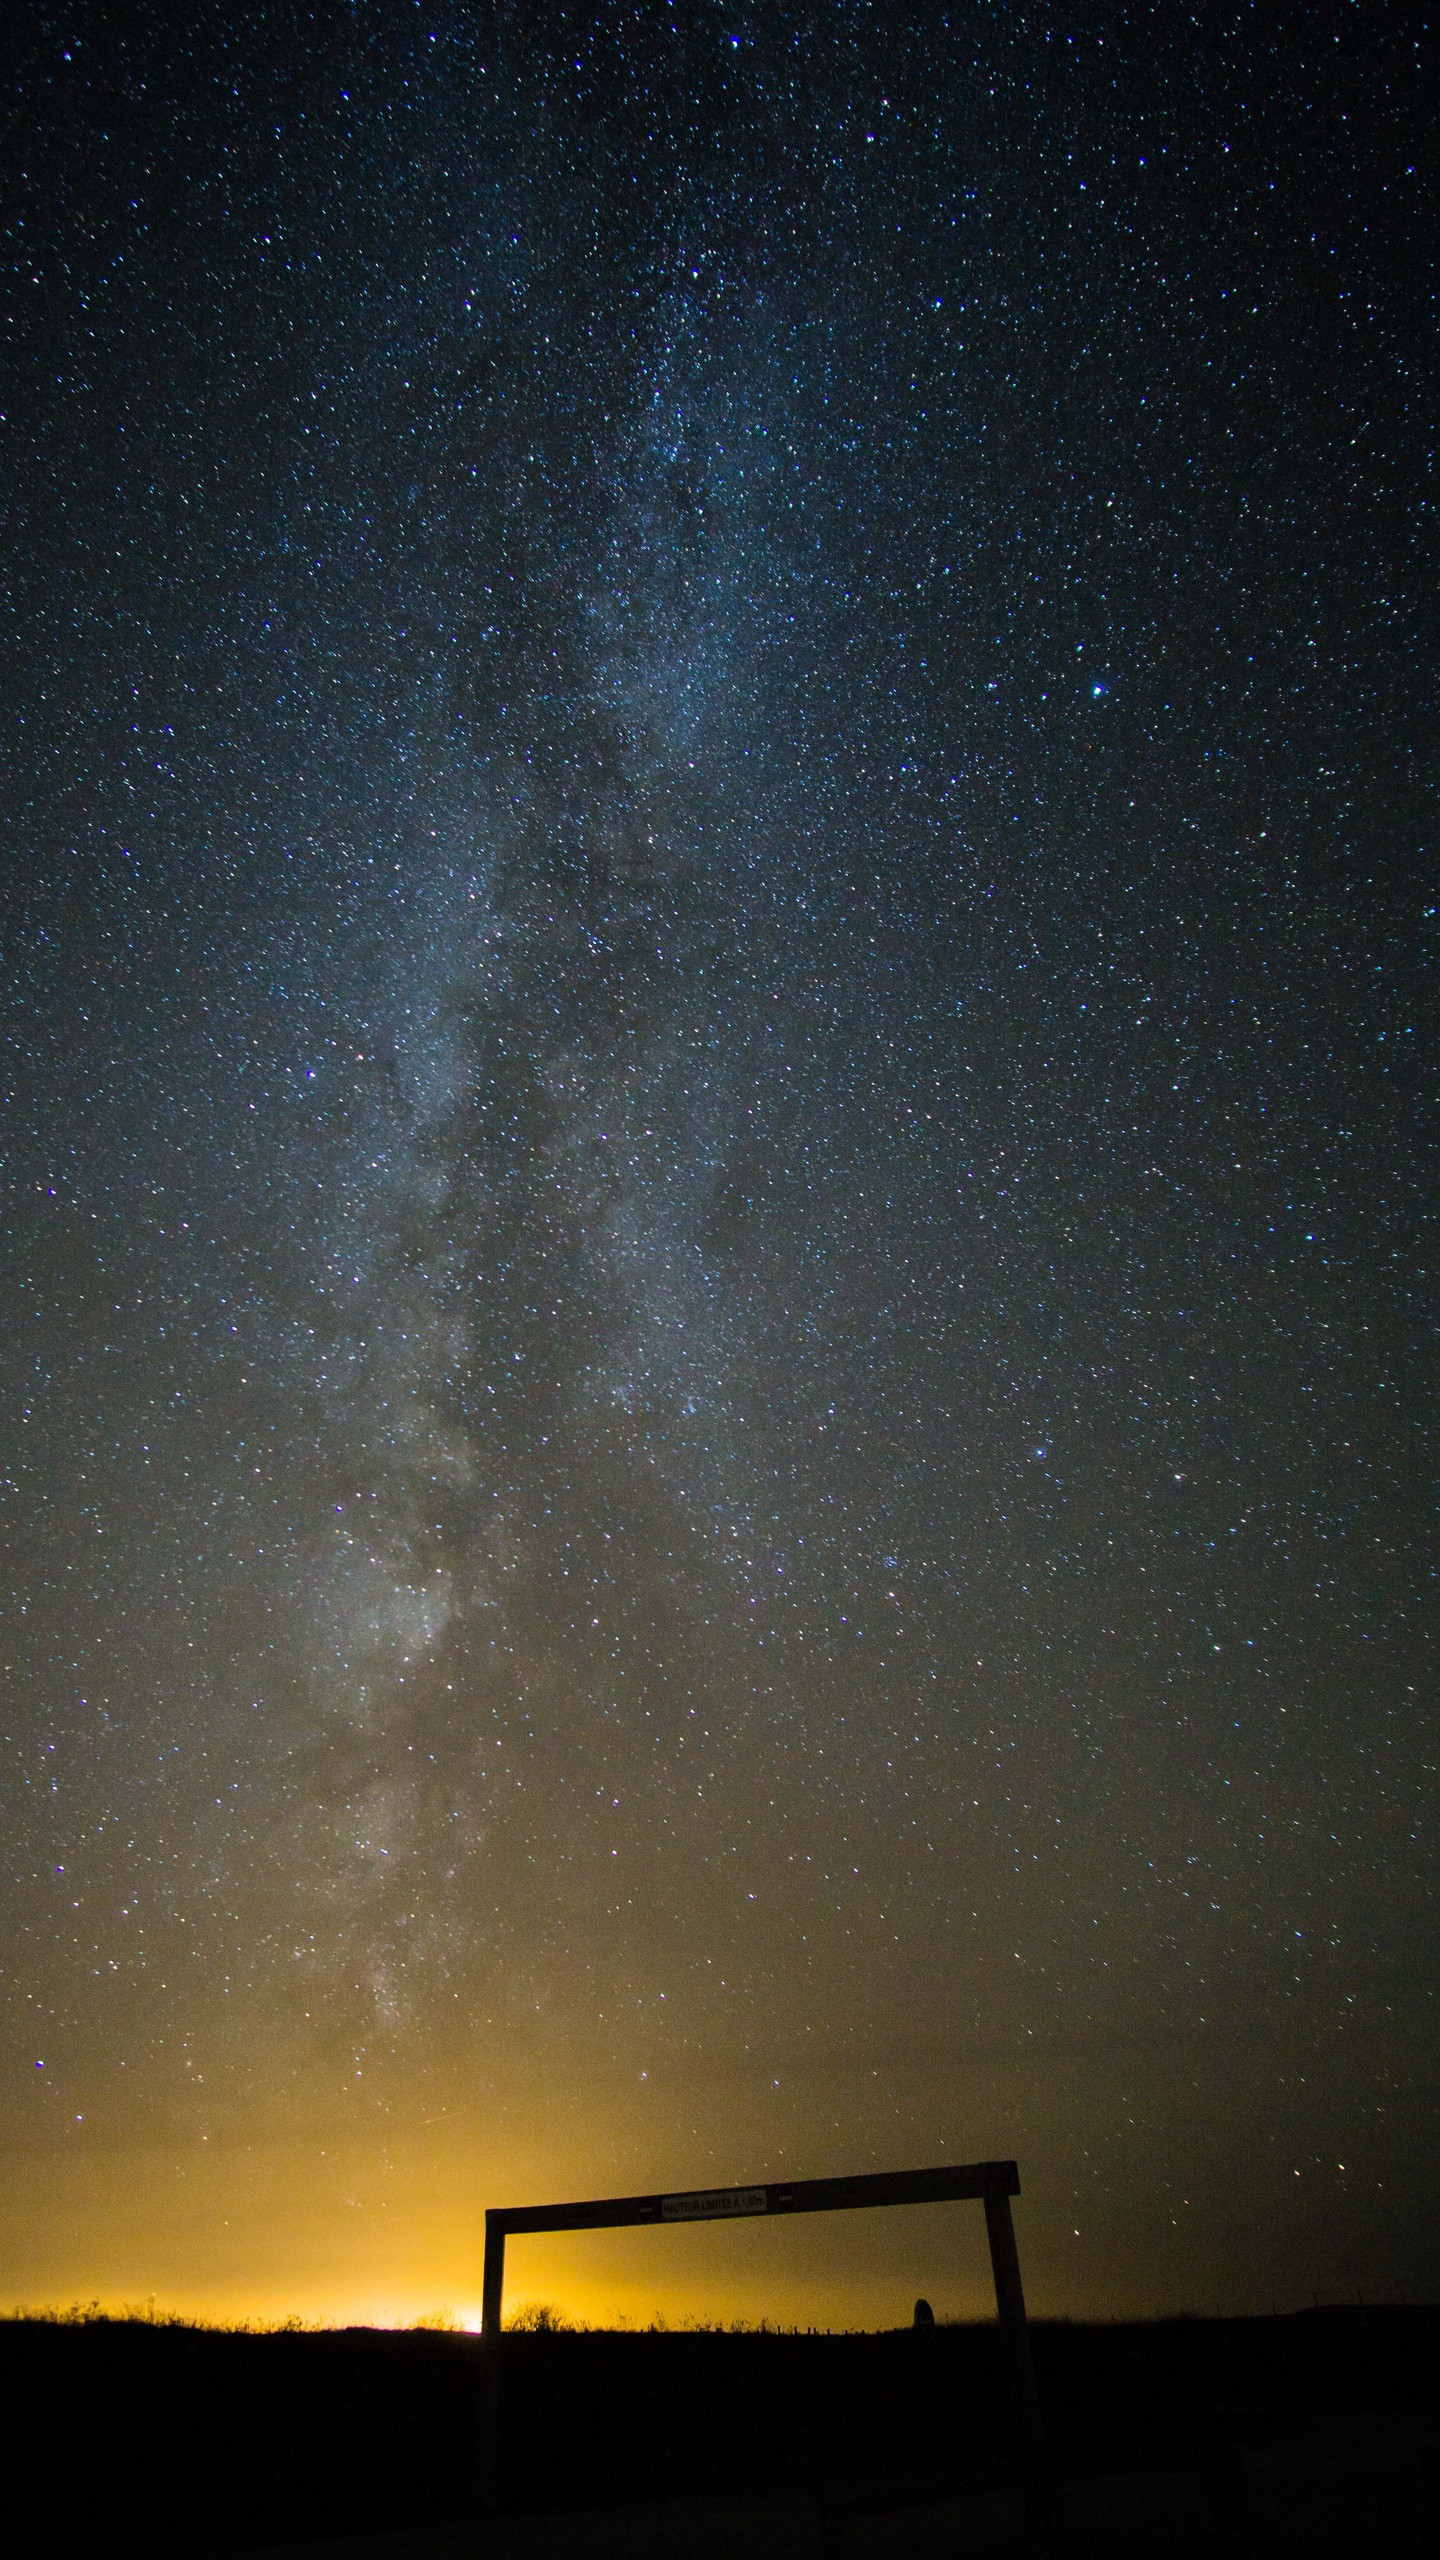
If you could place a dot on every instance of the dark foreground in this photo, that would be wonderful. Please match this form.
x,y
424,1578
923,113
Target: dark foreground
x,y
204,2442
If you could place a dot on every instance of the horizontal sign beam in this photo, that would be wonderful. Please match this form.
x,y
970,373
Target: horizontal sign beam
x,y
789,2195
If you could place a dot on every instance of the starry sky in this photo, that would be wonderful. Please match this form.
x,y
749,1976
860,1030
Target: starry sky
x,y
716,800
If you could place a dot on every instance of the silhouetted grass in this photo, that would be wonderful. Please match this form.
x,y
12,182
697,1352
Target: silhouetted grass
x,y
224,2437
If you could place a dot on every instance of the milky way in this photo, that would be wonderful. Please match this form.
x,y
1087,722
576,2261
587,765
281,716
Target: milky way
x,y
715,786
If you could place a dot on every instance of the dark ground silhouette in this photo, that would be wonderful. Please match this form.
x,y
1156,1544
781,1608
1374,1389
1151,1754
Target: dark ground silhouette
x,y
205,2441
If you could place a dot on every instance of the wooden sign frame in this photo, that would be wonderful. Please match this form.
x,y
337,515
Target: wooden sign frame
x,y
988,2182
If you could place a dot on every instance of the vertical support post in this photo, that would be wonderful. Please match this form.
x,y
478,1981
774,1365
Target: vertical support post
x,y
492,2295
1041,2491
1014,2327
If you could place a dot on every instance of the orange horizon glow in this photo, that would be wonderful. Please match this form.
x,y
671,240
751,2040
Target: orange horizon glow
x,y
386,2228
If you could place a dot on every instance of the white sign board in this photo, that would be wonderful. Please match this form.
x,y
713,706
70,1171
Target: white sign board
x,y
714,2205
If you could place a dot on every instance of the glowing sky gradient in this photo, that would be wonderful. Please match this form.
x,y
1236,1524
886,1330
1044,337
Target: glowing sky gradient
x,y
717,788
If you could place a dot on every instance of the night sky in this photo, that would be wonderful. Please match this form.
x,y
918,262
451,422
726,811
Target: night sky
x,y
716,804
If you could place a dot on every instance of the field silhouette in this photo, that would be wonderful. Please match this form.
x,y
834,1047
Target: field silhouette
x,y
208,2441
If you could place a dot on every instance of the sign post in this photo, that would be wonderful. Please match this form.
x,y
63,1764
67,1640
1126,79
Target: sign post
x,y
991,2182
